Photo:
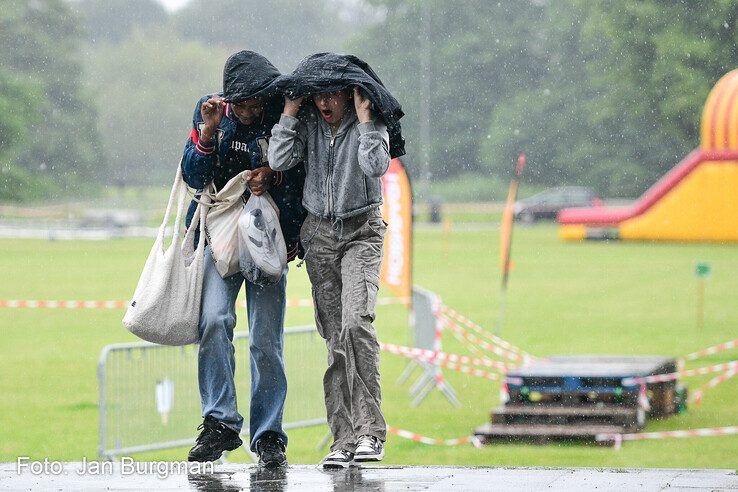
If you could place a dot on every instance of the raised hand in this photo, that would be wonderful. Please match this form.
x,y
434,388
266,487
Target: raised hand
x,y
363,106
212,112
292,106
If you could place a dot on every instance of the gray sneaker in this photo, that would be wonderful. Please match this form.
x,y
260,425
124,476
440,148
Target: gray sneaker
x,y
340,458
369,448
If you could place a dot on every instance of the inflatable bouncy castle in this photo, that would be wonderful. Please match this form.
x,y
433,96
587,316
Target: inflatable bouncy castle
x,y
696,201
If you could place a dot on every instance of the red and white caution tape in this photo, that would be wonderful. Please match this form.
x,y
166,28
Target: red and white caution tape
x,y
467,344
643,398
493,338
721,347
660,378
619,438
120,304
468,370
438,359
437,338
434,442
37,304
697,395
451,325
431,356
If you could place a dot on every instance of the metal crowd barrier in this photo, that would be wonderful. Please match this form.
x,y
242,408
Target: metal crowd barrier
x,y
149,398
426,335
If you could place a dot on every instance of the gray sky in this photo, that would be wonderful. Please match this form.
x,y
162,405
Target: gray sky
x,y
172,5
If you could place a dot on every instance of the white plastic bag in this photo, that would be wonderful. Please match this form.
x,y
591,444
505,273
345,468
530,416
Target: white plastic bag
x,y
263,252
221,224
165,307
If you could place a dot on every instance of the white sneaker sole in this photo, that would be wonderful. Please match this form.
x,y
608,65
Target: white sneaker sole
x,y
369,457
336,464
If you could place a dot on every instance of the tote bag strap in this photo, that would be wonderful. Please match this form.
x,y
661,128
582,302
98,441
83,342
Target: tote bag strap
x,y
177,192
199,218
180,205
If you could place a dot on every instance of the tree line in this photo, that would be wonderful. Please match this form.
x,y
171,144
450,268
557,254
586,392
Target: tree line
x,y
605,94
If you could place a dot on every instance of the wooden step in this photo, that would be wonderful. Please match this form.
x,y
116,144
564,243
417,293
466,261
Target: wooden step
x,y
566,411
542,433
572,398
627,417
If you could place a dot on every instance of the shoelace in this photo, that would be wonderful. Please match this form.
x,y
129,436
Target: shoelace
x,y
206,428
366,441
339,453
271,445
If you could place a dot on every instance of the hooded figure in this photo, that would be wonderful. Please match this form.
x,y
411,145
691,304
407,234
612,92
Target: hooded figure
x,y
329,72
344,145
229,135
247,74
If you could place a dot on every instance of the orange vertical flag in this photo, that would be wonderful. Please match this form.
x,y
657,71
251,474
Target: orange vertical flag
x,y
396,271
507,219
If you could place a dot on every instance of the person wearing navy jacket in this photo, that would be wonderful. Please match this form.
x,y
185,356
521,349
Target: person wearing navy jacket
x,y
230,134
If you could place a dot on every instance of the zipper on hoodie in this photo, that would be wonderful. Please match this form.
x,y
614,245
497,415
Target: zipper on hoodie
x,y
330,176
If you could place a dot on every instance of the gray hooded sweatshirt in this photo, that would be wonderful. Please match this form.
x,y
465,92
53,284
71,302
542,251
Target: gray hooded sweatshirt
x,y
343,168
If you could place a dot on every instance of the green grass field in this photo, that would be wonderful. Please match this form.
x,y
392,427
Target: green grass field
x,y
610,298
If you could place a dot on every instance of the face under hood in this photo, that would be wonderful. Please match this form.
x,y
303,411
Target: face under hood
x,y
328,72
248,74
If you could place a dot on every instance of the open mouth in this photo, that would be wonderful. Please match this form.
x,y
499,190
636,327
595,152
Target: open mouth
x,y
327,113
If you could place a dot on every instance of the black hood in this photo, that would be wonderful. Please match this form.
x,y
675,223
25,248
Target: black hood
x,y
248,74
327,72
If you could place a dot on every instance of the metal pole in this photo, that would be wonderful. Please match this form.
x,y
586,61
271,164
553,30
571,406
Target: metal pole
x,y
425,67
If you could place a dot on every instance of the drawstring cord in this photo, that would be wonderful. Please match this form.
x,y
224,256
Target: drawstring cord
x,y
309,242
337,225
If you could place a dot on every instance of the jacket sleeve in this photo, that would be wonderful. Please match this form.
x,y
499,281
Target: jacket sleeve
x,y
374,157
287,145
199,157
294,181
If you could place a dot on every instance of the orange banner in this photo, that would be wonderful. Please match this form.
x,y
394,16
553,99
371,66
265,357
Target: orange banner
x,y
506,227
506,224
397,212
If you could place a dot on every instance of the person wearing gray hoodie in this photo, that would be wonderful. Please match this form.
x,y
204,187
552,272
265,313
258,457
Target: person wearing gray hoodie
x,y
345,151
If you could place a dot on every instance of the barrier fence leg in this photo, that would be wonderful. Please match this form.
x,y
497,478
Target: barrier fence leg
x,y
430,384
421,383
324,442
409,369
447,390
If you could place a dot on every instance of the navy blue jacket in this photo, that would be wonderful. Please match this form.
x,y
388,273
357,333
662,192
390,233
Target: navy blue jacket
x,y
201,165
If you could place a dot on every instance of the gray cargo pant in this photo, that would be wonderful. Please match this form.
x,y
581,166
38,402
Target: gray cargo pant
x,y
343,261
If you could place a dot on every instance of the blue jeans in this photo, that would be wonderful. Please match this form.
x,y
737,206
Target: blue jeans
x,y
216,357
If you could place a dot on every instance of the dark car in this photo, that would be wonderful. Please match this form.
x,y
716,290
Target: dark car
x,y
546,204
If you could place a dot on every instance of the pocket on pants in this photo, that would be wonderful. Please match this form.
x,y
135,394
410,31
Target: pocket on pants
x,y
371,283
303,227
316,304
377,225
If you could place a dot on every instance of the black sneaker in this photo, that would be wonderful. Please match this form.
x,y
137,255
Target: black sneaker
x,y
340,458
270,449
213,440
369,448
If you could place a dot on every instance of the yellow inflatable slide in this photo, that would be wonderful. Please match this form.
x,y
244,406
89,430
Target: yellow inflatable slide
x,y
696,201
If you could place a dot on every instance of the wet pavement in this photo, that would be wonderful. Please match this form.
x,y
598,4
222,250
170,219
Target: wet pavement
x,y
168,476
